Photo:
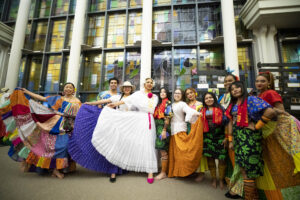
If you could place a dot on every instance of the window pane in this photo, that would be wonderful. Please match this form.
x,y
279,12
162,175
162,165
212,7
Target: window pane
x,y
44,9
88,97
113,67
239,26
98,5
209,22
185,67
21,72
136,3
53,73
246,70
27,36
65,71
32,6
96,31
71,23
183,1
91,73
132,71
73,6
211,58
291,52
13,10
184,26
40,36
161,2
162,25
35,73
1,7
118,4
62,7
134,28
207,0
116,28
58,35
162,69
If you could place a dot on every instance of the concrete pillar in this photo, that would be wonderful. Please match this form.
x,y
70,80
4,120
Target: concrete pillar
x,y
17,45
77,40
271,45
229,33
146,45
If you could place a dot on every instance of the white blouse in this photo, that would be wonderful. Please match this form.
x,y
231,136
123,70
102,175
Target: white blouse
x,y
117,98
182,114
139,101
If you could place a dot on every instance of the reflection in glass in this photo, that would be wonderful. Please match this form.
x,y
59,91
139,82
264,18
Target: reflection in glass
x,y
118,4
65,71
132,71
35,74
162,69
184,26
291,52
72,6
136,3
96,31
44,8
53,72
116,30
211,58
21,72
245,67
161,2
91,73
27,36
40,36
113,67
71,23
98,5
183,1
32,6
209,22
162,25
13,10
134,28
58,35
62,7
185,67
239,26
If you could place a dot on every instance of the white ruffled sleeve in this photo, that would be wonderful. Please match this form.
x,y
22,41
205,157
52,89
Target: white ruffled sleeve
x,y
190,114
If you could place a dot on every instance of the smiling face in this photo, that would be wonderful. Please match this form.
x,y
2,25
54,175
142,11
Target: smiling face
x,y
228,80
236,92
177,95
163,94
113,84
69,89
127,90
190,94
261,83
148,84
209,100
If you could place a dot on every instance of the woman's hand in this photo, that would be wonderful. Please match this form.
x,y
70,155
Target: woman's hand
x,y
24,90
112,105
231,145
225,142
163,134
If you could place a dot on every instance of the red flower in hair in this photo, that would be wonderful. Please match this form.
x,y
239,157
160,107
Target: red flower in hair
x,y
150,95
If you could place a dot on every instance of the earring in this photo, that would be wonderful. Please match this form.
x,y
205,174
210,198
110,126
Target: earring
x,y
269,86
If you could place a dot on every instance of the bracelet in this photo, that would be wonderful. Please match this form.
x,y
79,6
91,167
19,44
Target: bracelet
x,y
259,125
230,138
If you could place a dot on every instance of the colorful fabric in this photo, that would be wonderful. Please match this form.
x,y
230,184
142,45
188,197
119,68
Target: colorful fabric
x,y
217,117
41,129
161,144
80,146
248,150
185,151
271,96
236,184
159,112
104,95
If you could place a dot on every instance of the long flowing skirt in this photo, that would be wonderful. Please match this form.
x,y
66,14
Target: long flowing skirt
x,y
185,151
127,139
80,146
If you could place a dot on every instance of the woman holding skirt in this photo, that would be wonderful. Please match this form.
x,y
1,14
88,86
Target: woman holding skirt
x,y
127,139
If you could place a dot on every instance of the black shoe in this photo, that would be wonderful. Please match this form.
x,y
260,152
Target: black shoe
x,y
230,196
112,180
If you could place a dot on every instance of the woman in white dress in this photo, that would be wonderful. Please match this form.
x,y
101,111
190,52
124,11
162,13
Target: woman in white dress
x,y
185,150
127,139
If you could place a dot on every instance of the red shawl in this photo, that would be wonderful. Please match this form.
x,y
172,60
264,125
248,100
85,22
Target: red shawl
x,y
242,114
159,112
217,117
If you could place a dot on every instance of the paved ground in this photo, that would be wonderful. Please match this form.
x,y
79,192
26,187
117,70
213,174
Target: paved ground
x,y
88,185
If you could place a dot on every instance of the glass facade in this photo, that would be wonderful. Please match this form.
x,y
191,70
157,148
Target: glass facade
x,y
184,34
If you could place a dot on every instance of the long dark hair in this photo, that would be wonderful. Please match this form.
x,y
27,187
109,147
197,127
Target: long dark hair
x,y
238,84
167,92
215,104
233,76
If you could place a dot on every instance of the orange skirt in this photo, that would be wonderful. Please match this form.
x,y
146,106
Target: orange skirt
x,y
185,151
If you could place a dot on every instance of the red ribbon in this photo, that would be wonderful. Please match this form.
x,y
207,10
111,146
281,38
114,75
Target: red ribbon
x,y
149,117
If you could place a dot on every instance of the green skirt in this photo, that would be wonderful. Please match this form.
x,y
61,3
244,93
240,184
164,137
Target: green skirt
x,y
161,144
248,151
212,143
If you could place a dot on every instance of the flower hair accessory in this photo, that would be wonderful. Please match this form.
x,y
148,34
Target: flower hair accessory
x,y
150,95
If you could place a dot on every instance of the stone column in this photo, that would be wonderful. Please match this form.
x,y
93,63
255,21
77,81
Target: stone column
x,y
77,40
17,45
146,43
229,33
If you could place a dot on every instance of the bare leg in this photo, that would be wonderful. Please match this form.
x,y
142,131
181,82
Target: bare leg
x,y
222,168
164,166
57,174
212,169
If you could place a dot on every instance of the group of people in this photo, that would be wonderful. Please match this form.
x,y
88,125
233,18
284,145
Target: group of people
x,y
256,143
